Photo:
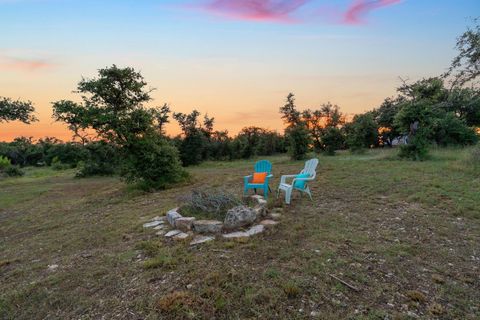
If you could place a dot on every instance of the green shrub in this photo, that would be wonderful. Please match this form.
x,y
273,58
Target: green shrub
x,y
152,162
333,140
102,160
4,163
56,164
417,147
298,141
14,171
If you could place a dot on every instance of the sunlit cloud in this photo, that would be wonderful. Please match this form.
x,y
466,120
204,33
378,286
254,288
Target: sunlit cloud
x,y
23,64
291,11
256,10
358,9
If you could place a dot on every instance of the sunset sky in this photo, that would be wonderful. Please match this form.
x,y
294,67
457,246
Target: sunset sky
x,y
236,60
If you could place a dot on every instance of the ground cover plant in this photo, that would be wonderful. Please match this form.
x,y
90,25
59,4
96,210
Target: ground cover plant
x,y
405,234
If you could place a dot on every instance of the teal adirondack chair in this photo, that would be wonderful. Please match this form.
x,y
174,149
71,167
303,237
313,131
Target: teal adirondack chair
x,y
299,181
260,166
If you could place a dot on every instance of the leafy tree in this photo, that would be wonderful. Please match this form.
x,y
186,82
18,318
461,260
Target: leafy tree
x,y
297,133
192,147
333,140
114,108
384,116
11,110
362,132
466,65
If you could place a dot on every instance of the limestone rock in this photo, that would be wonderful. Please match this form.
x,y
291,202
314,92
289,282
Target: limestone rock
x,y
207,226
173,215
152,224
276,216
255,230
235,235
185,223
260,211
201,239
181,236
239,216
268,223
159,227
172,233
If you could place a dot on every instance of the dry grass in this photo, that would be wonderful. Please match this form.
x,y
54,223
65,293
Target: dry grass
x,y
390,228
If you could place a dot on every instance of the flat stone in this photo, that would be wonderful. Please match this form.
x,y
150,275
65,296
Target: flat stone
x,y
160,233
173,215
207,226
235,235
184,223
181,236
172,233
201,239
268,222
262,202
238,217
152,224
256,230
52,267
276,215
159,227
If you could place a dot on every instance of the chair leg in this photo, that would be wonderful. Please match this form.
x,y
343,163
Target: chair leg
x,y
309,193
288,196
265,193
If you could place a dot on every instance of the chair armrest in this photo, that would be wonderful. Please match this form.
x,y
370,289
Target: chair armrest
x,y
246,178
284,178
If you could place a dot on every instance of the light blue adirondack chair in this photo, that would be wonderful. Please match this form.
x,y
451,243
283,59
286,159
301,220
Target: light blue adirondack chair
x,y
260,166
299,182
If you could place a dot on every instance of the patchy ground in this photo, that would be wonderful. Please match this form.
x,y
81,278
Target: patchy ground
x,y
382,239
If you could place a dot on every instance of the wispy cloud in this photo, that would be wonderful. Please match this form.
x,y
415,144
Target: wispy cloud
x,y
256,10
291,11
23,64
358,9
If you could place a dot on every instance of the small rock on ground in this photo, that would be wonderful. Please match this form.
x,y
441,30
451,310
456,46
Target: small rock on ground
x,y
201,239
159,227
255,230
172,233
173,215
160,233
268,222
152,224
181,236
276,216
238,234
207,226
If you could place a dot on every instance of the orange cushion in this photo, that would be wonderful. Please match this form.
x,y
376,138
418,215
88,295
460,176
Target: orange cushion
x,y
259,177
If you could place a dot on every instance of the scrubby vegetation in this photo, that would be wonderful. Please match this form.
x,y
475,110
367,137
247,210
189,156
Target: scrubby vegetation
x,y
208,204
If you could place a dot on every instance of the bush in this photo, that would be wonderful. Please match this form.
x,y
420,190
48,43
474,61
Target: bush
x,y
450,130
102,160
212,204
153,162
298,141
4,163
14,171
475,158
333,140
56,164
417,147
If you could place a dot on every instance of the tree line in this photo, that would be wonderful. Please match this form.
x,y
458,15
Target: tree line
x,y
116,132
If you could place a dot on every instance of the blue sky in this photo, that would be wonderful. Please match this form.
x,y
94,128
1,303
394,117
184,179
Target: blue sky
x,y
214,57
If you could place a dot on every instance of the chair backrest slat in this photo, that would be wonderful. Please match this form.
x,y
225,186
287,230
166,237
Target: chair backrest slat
x,y
263,166
310,167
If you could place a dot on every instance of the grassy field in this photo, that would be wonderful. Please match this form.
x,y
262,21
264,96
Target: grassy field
x,y
405,234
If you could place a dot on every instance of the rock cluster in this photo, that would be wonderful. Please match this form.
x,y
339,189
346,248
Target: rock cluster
x,y
239,217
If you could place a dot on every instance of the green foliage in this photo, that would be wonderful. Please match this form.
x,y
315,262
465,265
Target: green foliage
x,y
333,139
58,165
474,158
417,147
298,141
13,171
466,65
11,110
362,132
451,130
4,163
102,159
153,163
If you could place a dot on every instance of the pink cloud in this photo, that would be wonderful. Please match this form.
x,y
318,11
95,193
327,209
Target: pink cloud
x,y
30,65
286,11
358,9
256,10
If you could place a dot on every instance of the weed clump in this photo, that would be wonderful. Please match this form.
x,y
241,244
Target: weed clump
x,y
211,204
